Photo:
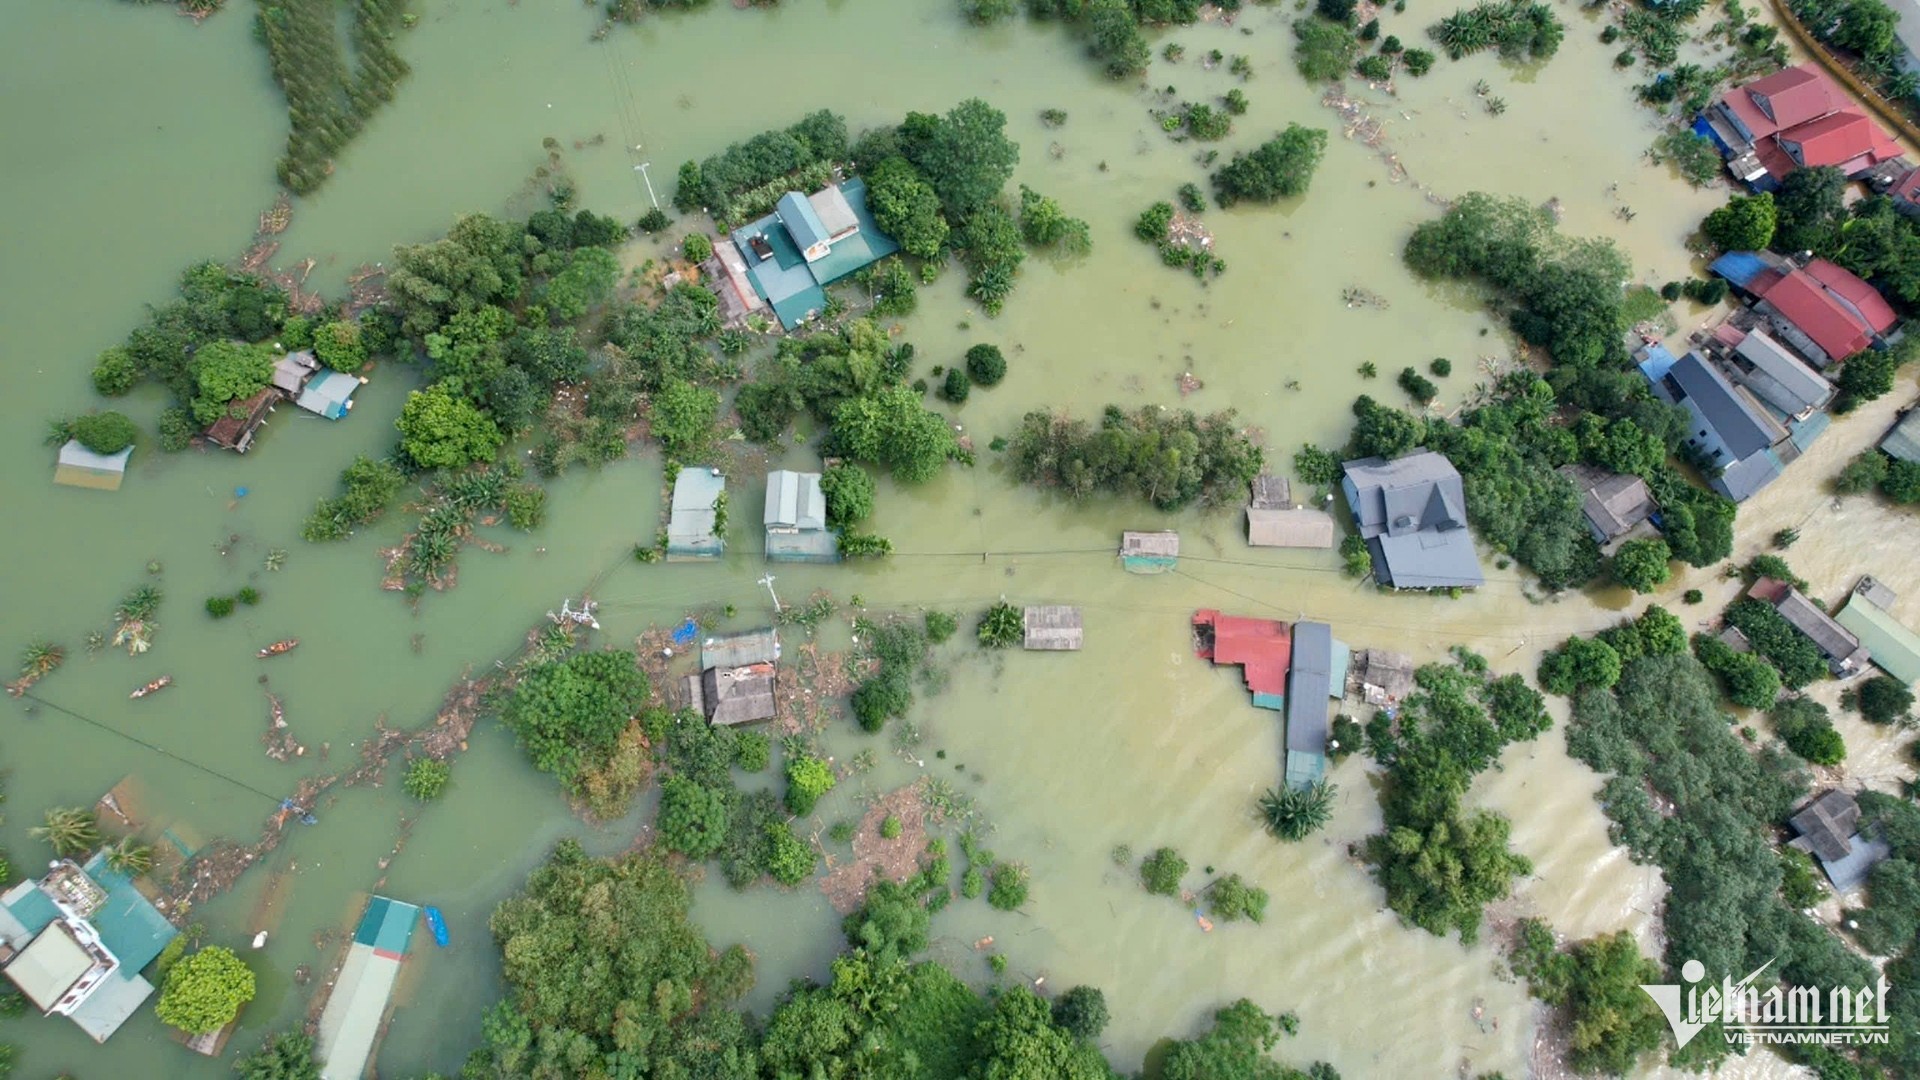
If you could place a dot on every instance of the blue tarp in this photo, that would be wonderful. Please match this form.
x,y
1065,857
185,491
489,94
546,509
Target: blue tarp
x,y
1739,267
686,632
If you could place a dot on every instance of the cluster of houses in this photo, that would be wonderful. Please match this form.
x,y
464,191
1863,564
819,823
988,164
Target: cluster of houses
x,y
1799,118
74,941
784,262
795,517
298,377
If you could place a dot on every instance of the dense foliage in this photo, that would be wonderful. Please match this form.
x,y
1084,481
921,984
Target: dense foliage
x,y
725,184
205,990
1794,654
102,432
1519,29
1323,48
1613,1024
1803,725
1279,168
570,713
285,1055
1745,223
332,87
369,487
1169,458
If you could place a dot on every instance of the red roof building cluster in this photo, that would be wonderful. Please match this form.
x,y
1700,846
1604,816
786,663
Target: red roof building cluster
x,y
1798,118
1837,311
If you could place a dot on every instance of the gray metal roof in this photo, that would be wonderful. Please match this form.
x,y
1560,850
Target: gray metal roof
x,y
1779,378
74,455
292,371
1826,823
1903,441
1289,528
1312,647
330,395
1833,639
1742,479
1052,628
740,648
1309,686
802,223
1412,512
795,501
1150,543
690,525
1743,428
1613,503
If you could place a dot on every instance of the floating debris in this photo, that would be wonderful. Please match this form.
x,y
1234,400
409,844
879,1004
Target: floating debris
x,y
160,683
566,616
1356,296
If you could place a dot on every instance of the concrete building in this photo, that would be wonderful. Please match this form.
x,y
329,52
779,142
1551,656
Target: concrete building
x,y
785,261
74,943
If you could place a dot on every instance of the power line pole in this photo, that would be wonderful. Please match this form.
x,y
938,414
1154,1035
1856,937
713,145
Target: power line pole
x,y
768,582
642,169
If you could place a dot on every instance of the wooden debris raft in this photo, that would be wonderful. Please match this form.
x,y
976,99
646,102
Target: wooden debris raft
x,y
279,741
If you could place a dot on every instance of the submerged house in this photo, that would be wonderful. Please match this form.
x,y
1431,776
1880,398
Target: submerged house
x,y
1824,310
329,394
784,261
1309,690
1892,647
736,680
78,466
796,519
1902,441
1289,528
357,1008
1263,649
695,520
1793,119
1777,377
1828,829
1616,506
1844,654
1412,512
243,419
74,942
1728,427
1149,552
1052,628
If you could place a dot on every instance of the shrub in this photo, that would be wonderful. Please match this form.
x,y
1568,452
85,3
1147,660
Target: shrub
x,y
1282,167
654,220
985,365
696,248
849,491
426,778
176,430
1693,596
1153,222
693,817
1161,872
957,386
752,751
219,606
1418,61
788,859
1883,699
103,433
890,828
808,778
1803,725
1081,1012
1316,466
1641,565
248,595
1441,367
1231,898
940,626
1418,386
1007,886
1002,626
886,693
204,992
1862,474
115,372
973,882
1375,68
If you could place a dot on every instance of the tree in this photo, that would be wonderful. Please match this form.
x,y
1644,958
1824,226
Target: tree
x,y
1581,662
986,365
1902,482
426,778
986,12
227,371
70,830
693,817
1441,878
683,415
103,433
892,428
441,430
849,491
130,857
1866,375
1019,1041
286,1055
1045,225
1295,813
1612,1023
808,778
1809,209
1281,168
338,345
696,248
887,693
1340,11
1802,724
1749,680
583,283
957,385
1418,386
1323,50
1002,626
905,207
1161,872
115,372
1081,1012
204,991
1382,432
1862,474
1114,38
1641,565
1883,699
1235,1047
1745,223
479,262
569,713
965,156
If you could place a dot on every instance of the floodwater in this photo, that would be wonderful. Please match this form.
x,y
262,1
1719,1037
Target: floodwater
x,y
158,150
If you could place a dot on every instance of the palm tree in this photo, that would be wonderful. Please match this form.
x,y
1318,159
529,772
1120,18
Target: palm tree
x,y
40,660
130,857
1295,813
69,829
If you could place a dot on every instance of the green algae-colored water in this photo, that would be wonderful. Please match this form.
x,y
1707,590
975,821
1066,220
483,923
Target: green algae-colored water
x,y
142,142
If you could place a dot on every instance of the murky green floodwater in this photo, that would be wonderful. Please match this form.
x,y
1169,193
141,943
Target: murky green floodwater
x,y
142,142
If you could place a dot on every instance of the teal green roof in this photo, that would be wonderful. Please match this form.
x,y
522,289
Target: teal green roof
x,y
32,907
793,287
129,925
802,223
1891,646
387,927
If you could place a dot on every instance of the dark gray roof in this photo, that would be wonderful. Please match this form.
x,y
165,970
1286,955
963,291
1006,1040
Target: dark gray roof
x,y
1612,502
1903,441
1779,378
740,649
1849,872
738,695
1742,427
1826,823
1309,687
1271,492
1426,560
1412,511
1833,639
1740,480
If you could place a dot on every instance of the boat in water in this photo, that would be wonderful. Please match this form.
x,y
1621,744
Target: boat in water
x,y
160,683
437,925
278,647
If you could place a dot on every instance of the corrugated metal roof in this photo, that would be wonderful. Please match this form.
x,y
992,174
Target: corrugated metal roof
x,y
329,395
1741,428
795,501
802,223
836,216
738,695
1894,649
387,927
1052,628
111,1004
49,966
128,923
1739,267
351,1020
33,908
1164,544
690,524
1789,385
1741,480
1903,441
1289,528
740,648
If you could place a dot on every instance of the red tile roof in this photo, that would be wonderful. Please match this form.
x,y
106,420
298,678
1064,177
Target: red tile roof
x,y
1819,314
1792,96
1864,298
1841,138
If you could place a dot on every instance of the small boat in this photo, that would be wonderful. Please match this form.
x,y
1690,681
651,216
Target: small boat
x,y
1206,924
438,925
278,647
160,683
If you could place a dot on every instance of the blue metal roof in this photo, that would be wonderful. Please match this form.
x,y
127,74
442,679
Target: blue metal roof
x,y
797,214
1655,362
1738,267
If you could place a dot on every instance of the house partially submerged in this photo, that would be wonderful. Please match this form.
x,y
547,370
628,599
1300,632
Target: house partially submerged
x,y
1902,441
357,1007
1149,552
1777,377
1615,505
1793,119
1892,647
80,467
1052,628
1825,311
1828,828
1289,528
1262,648
1271,492
243,419
1844,654
1412,513
330,394
736,680
1380,677
796,519
694,520
74,943
1728,427
292,372
1309,691
785,261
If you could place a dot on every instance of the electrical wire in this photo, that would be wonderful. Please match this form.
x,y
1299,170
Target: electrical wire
x,y
161,750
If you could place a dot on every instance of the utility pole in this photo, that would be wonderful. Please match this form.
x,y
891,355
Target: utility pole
x,y
642,169
768,582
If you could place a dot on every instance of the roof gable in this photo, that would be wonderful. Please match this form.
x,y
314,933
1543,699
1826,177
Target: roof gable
x,y
802,223
1803,301
1854,293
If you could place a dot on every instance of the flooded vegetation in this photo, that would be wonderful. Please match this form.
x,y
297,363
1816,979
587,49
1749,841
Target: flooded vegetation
x,y
1108,814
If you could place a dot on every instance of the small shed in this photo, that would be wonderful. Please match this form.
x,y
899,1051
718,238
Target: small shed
x,y
80,467
740,649
693,522
1289,528
1271,492
1149,552
734,695
1894,648
796,519
1903,441
1383,677
1052,628
329,395
291,372
237,426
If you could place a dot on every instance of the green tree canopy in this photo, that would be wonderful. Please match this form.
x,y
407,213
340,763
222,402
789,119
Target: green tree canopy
x,y
227,371
569,713
103,432
286,1055
337,344
1809,209
849,492
905,207
205,990
480,261
1641,565
1746,223
693,817
965,156
441,430
1282,167
893,429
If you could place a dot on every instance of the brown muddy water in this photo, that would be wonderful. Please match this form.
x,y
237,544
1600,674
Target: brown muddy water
x,y
143,141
